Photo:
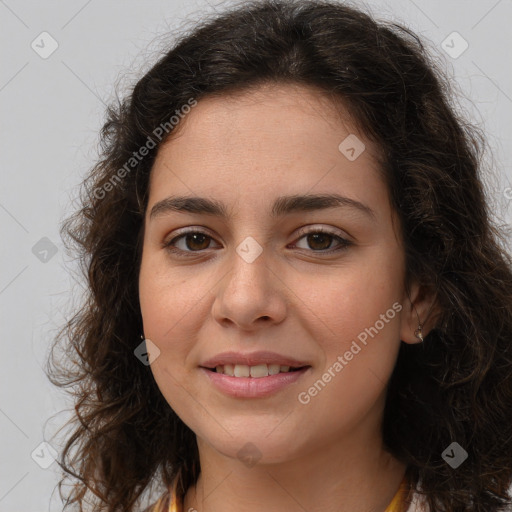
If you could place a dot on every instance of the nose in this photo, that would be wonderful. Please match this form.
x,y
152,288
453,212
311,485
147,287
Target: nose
x,y
251,295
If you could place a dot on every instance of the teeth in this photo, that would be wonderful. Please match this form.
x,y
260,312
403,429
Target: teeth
x,y
273,369
260,370
257,371
241,370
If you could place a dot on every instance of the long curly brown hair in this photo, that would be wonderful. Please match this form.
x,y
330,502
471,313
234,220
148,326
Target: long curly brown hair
x,y
454,387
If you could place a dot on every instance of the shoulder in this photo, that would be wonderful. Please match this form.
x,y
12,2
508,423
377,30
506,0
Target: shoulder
x,y
161,505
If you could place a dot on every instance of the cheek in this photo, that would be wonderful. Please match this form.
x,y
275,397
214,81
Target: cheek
x,y
168,297
168,303
359,313
165,300
360,341
354,297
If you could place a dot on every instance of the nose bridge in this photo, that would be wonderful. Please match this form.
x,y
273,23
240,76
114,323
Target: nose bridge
x,y
250,263
251,289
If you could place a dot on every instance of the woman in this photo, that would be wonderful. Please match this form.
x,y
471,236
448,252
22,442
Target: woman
x,y
298,300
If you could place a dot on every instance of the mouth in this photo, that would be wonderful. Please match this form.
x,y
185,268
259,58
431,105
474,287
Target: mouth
x,y
242,381
256,371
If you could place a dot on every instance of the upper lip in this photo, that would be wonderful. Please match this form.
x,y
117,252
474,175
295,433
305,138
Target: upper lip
x,y
252,359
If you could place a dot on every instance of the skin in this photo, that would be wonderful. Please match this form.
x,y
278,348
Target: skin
x,y
245,150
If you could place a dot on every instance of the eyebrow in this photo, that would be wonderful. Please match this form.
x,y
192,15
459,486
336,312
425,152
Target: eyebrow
x,y
282,205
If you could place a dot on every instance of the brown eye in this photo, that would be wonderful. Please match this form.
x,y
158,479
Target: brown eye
x,y
191,241
319,240
197,241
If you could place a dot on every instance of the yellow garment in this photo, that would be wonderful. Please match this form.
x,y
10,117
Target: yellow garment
x,y
399,503
172,502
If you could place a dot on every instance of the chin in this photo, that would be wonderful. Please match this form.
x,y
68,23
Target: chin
x,y
254,446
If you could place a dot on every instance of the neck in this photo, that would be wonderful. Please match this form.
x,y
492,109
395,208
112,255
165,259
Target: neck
x,y
350,476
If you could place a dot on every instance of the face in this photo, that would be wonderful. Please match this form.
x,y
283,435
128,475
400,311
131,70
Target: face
x,y
271,281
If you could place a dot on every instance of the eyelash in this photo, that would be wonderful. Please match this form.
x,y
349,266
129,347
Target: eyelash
x,y
344,244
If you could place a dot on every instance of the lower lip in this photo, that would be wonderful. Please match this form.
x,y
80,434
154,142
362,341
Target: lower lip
x,y
251,387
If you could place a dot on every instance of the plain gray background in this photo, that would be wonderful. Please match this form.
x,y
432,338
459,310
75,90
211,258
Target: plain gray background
x,y
52,109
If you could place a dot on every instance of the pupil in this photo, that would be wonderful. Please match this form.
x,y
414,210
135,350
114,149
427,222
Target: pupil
x,y
195,236
320,236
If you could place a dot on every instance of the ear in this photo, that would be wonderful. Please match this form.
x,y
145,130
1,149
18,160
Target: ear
x,y
421,303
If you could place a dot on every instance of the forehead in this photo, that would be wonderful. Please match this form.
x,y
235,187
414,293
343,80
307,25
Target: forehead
x,y
265,142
